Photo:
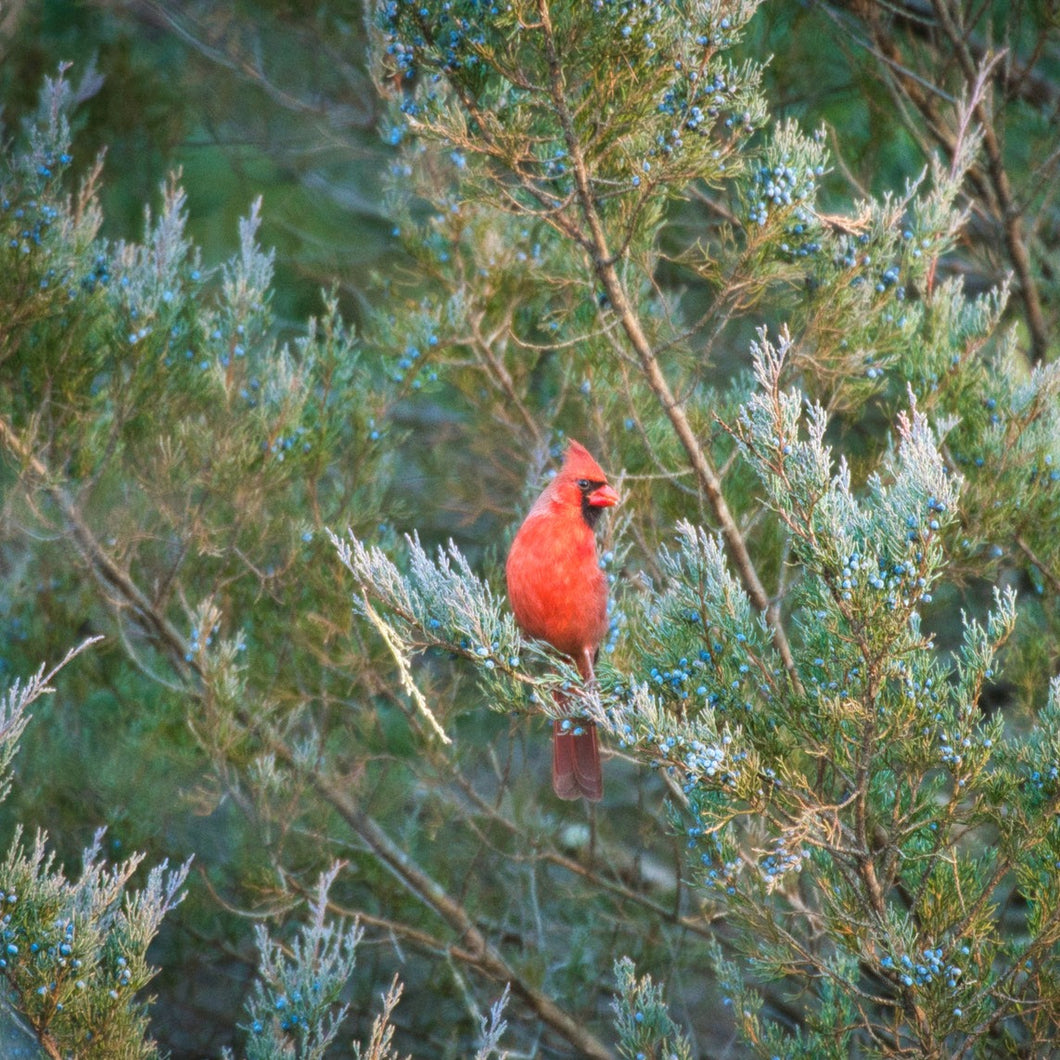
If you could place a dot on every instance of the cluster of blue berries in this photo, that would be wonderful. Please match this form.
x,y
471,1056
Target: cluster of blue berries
x,y
627,737
47,166
228,345
851,255
8,947
482,651
889,278
121,977
405,362
555,165
952,750
678,680
1047,473
816,684
721,677
802,235
291,1012
925,968
616,618
52,954
411,361
918,531
715,763
447,40
99,276
717,33
635,19
782,860
47,279
34,217
917,247
885,280
922,692
776,186
571,725
874,371
249,392
282,444
403,57
721,878
487,653
1045,782
696,103
197,643
140,333
145,306
707,760
902,580
616,621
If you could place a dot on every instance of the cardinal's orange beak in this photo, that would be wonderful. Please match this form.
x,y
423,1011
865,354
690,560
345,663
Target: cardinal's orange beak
x,y
603,497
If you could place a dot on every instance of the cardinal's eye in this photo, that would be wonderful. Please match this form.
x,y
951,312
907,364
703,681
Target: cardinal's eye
x,y
584,484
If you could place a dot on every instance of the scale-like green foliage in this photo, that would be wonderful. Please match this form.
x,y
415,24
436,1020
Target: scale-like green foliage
x,y
73,950
840,501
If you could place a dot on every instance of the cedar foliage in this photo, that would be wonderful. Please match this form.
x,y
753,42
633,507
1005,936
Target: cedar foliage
x,y
828,815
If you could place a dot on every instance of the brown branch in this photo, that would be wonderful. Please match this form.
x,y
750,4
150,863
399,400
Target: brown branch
x,y
247,63
1046,571
603,262
495,365
472,946
106,571
994,186
698,925
1011,215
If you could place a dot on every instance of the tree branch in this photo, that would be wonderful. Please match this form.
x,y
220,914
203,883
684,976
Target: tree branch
x,y
604,266
994,186
473,945
106,571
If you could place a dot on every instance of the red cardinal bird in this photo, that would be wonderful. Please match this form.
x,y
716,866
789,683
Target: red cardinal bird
x,y
559,595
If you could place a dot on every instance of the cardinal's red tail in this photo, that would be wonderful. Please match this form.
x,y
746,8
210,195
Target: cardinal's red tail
x,y
576,770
